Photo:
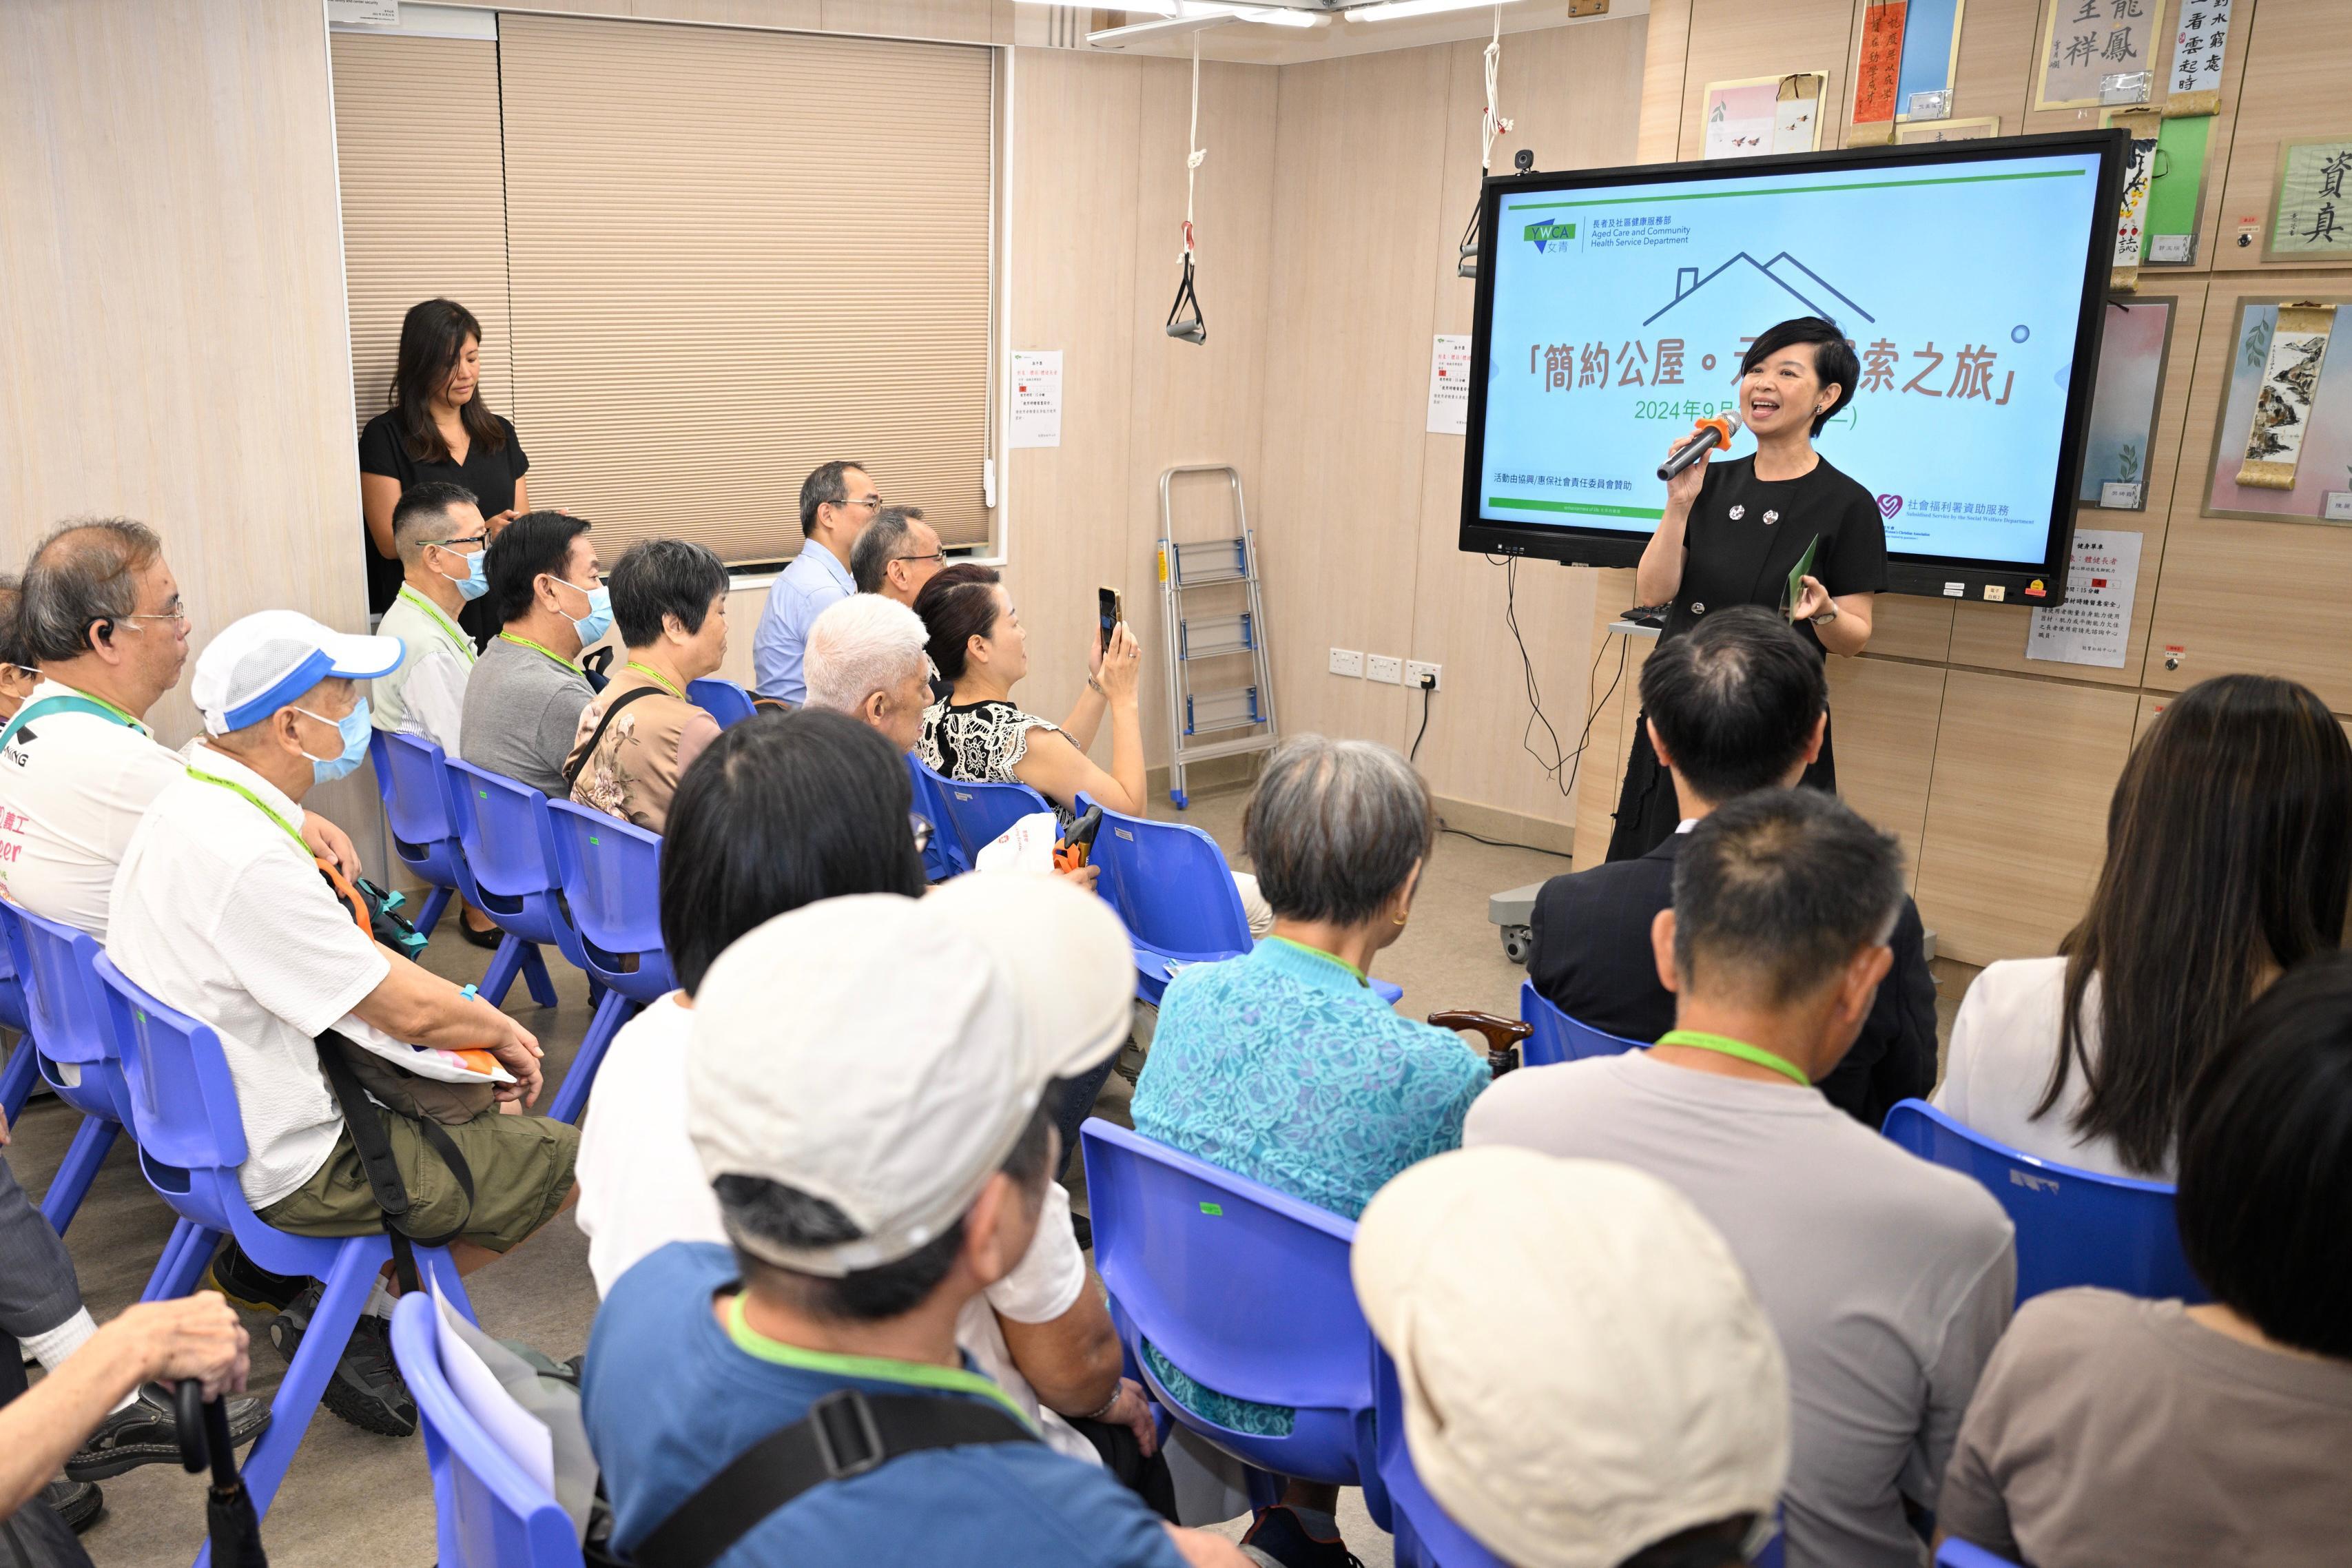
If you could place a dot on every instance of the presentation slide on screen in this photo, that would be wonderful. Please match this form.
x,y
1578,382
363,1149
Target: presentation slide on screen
x,y
1620,313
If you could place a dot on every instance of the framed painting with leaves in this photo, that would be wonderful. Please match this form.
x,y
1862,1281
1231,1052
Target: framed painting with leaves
x,y
2125,400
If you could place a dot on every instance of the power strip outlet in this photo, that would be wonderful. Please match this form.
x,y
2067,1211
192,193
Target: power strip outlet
x,y
1418,675
1382,667
1347,661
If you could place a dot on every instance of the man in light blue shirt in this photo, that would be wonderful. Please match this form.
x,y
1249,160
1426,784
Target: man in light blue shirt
x,y
837,500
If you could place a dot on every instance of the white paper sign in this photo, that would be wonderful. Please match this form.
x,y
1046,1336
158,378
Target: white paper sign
x,y
2337,505
1036,398
2094,622
364,13
2119,495
1449,386
2197,48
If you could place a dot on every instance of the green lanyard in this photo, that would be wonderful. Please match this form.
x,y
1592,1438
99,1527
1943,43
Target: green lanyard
x,y
1698,1041
262,805
78,702
526,642
656,677
441,618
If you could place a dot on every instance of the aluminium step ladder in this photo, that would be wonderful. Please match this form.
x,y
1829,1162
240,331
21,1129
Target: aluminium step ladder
x,y
1225,720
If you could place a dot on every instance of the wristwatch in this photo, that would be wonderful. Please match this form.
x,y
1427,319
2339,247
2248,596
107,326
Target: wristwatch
x,y
1829,613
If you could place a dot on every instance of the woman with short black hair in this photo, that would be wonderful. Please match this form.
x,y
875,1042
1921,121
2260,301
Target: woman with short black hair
x,y
437,427
1734,531
638,736
2112,1429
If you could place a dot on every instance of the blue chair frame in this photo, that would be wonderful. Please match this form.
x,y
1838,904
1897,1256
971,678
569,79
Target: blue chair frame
x,y
1174,893
722,699
1173,1238
487,1512
610,871
943,857
1956,1553
16,1079
183,1110
510,847
69,1038
1560,1038
2074,1227
978,813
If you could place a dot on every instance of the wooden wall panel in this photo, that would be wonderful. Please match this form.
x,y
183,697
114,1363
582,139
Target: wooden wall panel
x,y
1663,62
1614,669
2017,811
1997,37
1886,716
1734,39
2292,62
1903,625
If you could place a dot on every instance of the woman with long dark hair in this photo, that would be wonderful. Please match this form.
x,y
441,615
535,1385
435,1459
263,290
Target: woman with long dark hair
x,y
437,429
2228,861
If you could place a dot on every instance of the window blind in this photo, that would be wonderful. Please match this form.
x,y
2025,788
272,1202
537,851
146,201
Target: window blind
x,y
416,146
734,255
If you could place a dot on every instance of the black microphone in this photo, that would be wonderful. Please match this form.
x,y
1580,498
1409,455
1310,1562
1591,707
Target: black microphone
x,y
1716,431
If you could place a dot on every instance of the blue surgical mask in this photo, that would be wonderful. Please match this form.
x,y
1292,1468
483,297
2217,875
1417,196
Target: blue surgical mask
x,y
476,581
353,727
599,618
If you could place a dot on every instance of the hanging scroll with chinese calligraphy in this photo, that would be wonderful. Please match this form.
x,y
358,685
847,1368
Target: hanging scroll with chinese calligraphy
x,y
2311,217
2290,387
2139,175
2091,40
2196,83
1876,73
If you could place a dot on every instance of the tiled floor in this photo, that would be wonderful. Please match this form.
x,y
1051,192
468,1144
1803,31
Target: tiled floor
x,y
355,1500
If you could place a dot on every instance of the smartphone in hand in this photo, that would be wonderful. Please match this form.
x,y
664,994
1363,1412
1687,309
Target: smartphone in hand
x,y
1108,612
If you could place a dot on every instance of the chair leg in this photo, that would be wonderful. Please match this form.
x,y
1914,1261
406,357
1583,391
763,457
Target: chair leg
x,y
347,1287
534,976
84,1155
16,1079
572,1098
595,994
499,979
189,1241
428,914
1266,1488
444,1269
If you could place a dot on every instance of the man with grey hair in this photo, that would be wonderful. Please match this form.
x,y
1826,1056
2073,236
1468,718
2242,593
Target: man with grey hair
x,y
837,501
897,554
103,617
865,658
1888,1278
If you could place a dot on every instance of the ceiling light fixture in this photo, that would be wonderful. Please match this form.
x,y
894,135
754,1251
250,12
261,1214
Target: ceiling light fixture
x,y
1177,17
1398,10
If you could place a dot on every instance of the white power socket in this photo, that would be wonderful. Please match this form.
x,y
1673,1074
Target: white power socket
x,y
1415,671
1347,661
1385,668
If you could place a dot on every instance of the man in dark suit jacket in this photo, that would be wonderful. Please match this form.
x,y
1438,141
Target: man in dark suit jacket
x,y
1737,704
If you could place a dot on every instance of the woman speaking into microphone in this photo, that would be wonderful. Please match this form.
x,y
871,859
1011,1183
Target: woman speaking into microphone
x,y
1735,532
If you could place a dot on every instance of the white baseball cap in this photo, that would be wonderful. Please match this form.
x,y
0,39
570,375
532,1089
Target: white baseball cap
x,y
1584,1367
264,661
885,1053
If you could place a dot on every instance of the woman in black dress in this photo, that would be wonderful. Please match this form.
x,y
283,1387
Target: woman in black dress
x,y
437,429
1734,531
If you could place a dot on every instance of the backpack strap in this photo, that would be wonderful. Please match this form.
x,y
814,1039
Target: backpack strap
x,y
48,705
573,769
375,1147
846,1433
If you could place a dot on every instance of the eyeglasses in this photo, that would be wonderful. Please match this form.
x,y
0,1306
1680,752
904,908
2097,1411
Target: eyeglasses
x,y
939,555
922,830
176,611
469,539
870,502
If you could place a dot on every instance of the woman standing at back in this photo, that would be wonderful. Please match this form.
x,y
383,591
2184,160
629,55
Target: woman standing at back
x,y
2228,861
437,429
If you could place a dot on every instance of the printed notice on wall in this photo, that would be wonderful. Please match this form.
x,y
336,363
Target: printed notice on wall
x,y
2094,622
1449,386
364,13
1036,398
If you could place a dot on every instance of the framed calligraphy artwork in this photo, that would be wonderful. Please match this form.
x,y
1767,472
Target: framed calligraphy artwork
x,y
2090,40
2311,215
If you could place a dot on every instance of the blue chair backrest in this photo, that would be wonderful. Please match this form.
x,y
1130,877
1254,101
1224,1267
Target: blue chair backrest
x,y
2074,1227
12,995
722,699
503,823
943,857
1426,1535
64,1006
610,872
491,1512
183,1101
1558,1037
1171,885
979,811
1955,1553
414,778
1243,1288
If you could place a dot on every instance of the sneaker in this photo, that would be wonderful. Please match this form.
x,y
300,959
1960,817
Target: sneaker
x,y
366,1389
1280,1533
76,1503
147,1432
293,1320
247,1284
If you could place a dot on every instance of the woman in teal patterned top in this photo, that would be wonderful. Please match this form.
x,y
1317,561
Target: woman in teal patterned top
x,y
1282,1065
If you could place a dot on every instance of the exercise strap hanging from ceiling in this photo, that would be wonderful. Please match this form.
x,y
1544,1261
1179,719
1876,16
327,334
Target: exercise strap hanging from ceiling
x,y
1184,316
1491,124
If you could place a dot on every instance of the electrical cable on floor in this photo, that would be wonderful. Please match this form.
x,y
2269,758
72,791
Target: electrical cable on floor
x,y
1500,843
1428,693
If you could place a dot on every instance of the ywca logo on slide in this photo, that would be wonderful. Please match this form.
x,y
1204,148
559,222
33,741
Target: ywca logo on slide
x,y
1888,505
1545,233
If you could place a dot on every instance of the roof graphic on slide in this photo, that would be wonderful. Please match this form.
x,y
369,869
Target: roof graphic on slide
x,y
1800,282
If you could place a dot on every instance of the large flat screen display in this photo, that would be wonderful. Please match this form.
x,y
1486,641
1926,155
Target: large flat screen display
x,y
1613,308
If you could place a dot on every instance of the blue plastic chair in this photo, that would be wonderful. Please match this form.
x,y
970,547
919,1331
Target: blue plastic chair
x,y
722,699
1174,893
70,1044
1961,1554
610,874
17,1077
978,813
1558,1037
489,1512
944,856
1176,1242
183,1110
509,846
2074,1227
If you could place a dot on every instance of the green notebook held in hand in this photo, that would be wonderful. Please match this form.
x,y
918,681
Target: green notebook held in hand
x,y
1797,574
